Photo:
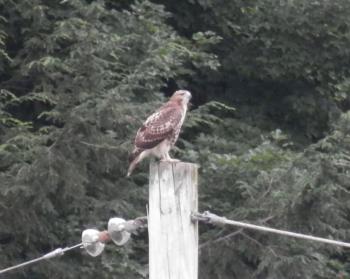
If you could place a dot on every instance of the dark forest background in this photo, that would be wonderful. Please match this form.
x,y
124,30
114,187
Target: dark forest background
x,y
269,127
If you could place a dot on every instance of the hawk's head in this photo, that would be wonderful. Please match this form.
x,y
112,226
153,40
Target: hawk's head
x,y
181,96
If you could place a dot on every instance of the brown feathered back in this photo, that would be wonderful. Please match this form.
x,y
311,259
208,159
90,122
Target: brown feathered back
x,y
164,124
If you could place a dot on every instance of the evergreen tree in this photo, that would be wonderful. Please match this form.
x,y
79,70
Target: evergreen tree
x,y
81,79
269,128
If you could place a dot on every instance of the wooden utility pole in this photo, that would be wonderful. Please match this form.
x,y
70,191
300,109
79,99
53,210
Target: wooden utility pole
x,y
173,237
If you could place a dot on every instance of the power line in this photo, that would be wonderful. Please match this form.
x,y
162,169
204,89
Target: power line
x,y
133,225
55,253
217,220
118,231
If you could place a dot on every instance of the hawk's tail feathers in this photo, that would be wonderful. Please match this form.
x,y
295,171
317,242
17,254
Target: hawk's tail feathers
x,y
134,159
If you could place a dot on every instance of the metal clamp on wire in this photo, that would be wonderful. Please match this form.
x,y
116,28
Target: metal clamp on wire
x,y
195,217
209,218
133,226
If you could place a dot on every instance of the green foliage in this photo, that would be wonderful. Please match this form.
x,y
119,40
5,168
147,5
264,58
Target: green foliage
x,y
4,57
286,57
78,74
272,185
269,127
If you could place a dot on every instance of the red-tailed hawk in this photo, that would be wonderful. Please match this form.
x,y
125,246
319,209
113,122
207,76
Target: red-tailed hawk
x,y
159,132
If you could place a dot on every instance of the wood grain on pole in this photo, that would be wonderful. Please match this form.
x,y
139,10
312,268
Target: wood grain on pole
x,y
173,237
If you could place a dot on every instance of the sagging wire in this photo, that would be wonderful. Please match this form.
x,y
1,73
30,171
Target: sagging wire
x,y
214,219
93,241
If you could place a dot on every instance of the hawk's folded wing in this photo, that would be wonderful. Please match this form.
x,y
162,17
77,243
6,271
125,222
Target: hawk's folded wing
x,y
159,126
